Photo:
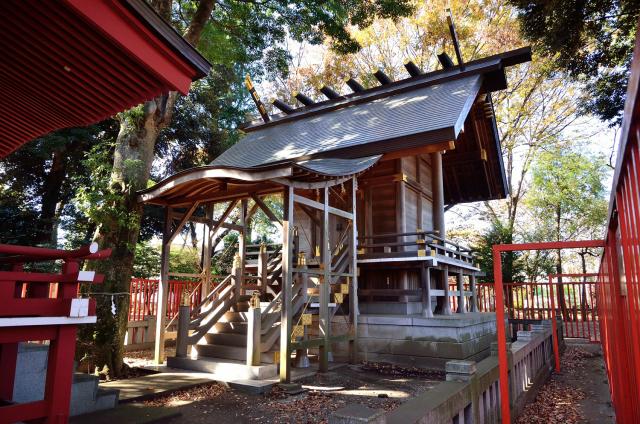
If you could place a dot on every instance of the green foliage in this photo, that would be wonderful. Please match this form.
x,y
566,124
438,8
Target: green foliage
x,y
100,201
567,195
512,267
147,261
592,40
185,260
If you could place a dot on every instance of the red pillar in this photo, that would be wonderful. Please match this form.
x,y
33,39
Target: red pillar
x,y
502,336
57,392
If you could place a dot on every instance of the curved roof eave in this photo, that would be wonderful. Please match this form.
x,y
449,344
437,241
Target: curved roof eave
x,y
211,172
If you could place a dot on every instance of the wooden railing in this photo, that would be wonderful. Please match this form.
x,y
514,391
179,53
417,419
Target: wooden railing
x,y
412,244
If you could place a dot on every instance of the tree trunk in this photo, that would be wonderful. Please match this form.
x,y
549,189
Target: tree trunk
x,y
133,158
50,198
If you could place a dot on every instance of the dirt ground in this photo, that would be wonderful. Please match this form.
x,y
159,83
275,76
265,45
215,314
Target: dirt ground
x,y
579,394
378,388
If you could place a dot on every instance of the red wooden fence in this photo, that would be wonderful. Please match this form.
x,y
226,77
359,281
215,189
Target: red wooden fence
x,y
531,301
619,288
143,298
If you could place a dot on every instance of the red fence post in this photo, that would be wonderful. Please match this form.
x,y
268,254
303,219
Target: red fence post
x,y
501,336
554,325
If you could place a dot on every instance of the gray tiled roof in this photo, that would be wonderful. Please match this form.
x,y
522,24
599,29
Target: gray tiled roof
x,y
335,166
441,106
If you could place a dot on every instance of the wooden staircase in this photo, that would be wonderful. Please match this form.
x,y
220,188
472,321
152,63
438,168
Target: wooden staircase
x,y
220,327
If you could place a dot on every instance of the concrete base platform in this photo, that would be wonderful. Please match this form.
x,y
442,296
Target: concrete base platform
x,y
225,369
413,340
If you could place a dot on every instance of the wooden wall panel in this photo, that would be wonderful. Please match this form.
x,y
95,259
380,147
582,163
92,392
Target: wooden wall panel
x,y
427,214
383,205
409,167
411,217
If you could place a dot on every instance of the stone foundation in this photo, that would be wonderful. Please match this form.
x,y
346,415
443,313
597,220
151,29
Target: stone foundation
x,y
412,340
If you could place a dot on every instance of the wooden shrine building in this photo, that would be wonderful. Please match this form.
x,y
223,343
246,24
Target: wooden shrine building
x,y
364,179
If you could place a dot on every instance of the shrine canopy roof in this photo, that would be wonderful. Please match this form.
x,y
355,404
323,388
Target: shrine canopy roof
x,y
77,62
347,134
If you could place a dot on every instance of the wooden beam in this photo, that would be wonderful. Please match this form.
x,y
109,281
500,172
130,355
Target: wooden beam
x,y
272,217
183,221
218,224
430,148
320,206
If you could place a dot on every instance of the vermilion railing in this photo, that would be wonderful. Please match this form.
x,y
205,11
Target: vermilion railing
x,y
143,297
575,304
619,288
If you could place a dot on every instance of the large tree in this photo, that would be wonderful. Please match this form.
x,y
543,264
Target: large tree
x,y
568,199
593,40
241,35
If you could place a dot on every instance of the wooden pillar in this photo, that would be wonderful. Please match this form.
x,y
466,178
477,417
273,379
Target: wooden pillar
x,y
325,286
474,293
302,358
163,289
57,392
425,282
242,240
254,329
182,336
353,290
8,361
263,262
445,305
208,246
460,280
438,193
286,315
401,227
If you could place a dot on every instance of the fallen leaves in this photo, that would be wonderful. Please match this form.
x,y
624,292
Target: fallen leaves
x,y
193,394
386,368
556,401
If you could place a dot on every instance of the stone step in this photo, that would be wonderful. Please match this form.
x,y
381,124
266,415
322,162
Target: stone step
x,y
230,327
225,369
237,353
240,307
227,339
241,316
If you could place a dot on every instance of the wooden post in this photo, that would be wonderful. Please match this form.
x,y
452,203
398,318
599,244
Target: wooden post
x,y
302,359
325,287
263,259
460,280
254,328
353,290
287,281
236,271
446,306
208,245
425,281
184,317
57,392
438,193
242,240
163,289
474,293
